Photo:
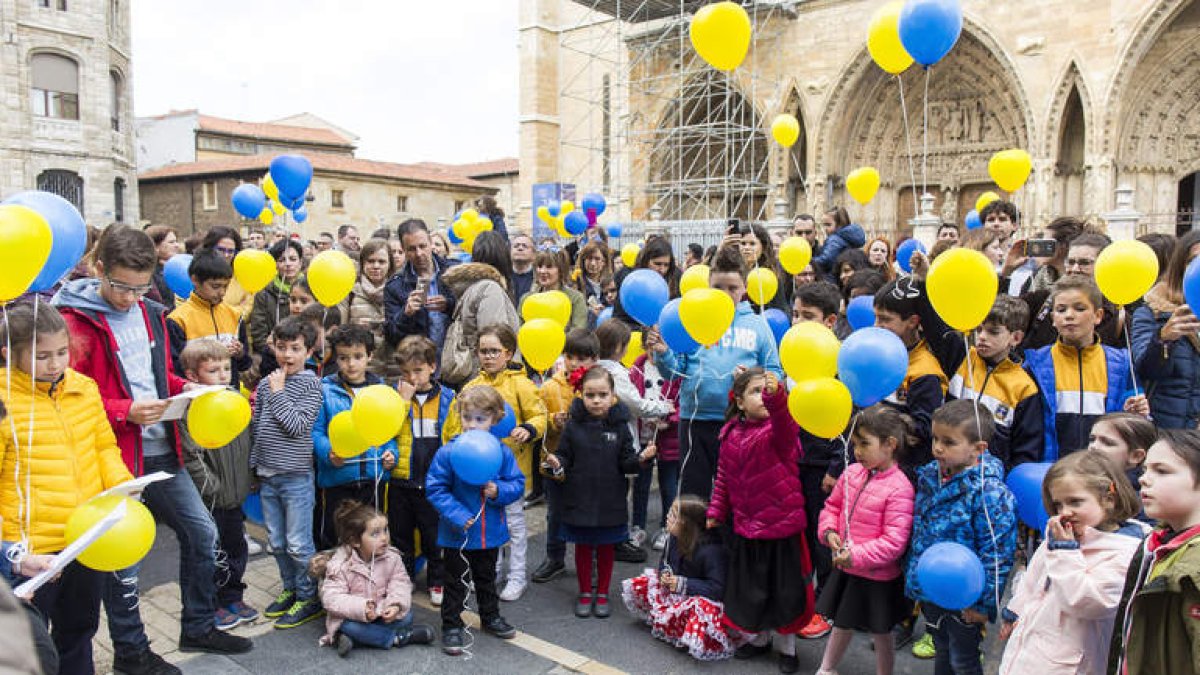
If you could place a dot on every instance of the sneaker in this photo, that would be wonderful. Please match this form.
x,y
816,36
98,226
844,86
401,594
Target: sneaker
x,y
750,651
500,628
549,569
225,619
660,540
452,641
626,551
601,610
418,634
513,590
923,648
283,602
301,612
435,595
247,613
253,547
344,644
535,499
902,634
788,663
146,663
583,605
638,536
817,628
215,642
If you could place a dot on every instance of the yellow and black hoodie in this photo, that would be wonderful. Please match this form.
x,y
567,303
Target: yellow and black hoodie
x,y
922,392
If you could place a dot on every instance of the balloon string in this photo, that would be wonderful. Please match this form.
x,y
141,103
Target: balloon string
x,y
912,171
32,406
12,423
846,439
982,497
1129,349
925,138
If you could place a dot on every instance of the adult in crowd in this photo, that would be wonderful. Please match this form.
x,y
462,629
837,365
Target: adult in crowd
x,y
396,248
948,232
593,272
1081,260
758,250
523,254
256,240
415,301
880,257
166,244
271,303
227,242
481,287
324,242
695,254
382,233
121,341
551,273
1163,246
988,242
1062,231
348,241
488,208
655,255
1166,344
441,243
849,262
840,235
364,305
573,247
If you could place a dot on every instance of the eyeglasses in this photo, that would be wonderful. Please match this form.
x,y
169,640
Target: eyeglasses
x,y
119,287
1080,262
803,233
225,250
490,353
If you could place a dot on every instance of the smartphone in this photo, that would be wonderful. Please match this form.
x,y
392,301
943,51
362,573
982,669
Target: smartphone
x,y
736,226
1040,248
422,287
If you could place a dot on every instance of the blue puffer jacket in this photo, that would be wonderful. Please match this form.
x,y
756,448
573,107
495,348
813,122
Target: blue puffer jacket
x,y
850,236
334,399
955,511
1170,372
457,502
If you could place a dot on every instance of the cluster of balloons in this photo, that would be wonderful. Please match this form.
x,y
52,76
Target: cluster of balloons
x,y
917,30
42,238
467,226
567,221
284,188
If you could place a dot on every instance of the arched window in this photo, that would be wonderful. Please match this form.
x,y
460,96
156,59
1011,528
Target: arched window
x,y
117,93
55,86
65,184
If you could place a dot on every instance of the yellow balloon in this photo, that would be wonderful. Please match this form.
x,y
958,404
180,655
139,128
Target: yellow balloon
x,y
761,285
1010,168
794,254
124,544
470,215
253,269
565,207
629,254
785,130
634,350
883,39
554,305
25,241
962,287
461,228
467,245
706,314
695,276
821,406
378,412
720,33
344,438
809,351
331,276
269,188
1125,270
543,213
985,199
267,217
863,183
541,341
216,418
278,209
483,225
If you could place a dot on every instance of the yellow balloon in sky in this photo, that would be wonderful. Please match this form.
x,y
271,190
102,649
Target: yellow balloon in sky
x,y
985,199
720,32
706,314
1010,168
331,276
761,285
1125,270
883,39
785,130
863,183
962,285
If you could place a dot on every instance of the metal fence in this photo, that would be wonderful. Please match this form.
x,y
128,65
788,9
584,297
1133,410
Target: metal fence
x,y
679,232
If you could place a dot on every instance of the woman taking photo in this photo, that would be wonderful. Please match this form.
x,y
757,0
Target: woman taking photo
x,y
549,274
364,305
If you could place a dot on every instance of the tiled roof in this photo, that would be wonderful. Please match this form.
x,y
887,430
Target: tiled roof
x,y
495,167
272,132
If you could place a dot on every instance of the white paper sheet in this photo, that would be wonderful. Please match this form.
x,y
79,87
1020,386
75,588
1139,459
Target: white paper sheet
x,y
178,405
132,487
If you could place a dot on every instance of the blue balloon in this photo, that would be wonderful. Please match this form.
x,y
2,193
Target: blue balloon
x,y
670,326
249,200
872,363
1191,286
861,312
175,271
506,424
904,253
300,214
554,207
252,507
929,28
644,293
594,201
972,220
292,175
604,315
454,238
779,322
614,230
292,204
67,229
575,222
1025,482
950,575
476,457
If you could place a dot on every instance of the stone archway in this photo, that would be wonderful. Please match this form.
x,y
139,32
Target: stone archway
x,y
1069,142
794,161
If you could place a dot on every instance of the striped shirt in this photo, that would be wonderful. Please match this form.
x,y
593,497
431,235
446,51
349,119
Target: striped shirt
x,y
283,424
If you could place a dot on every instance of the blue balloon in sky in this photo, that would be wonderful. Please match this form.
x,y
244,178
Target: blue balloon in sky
x,y
929,28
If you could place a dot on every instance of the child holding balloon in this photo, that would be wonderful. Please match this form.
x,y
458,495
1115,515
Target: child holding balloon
x,y
1060,617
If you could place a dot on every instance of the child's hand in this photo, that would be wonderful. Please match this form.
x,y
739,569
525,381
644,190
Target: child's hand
x,y
649,453
371,616
833,541
1138,405
971,616
652,341
920,265
553,462
711,523
276,380
234,348
1006,629
669,581
1060,531
828,483
147,412
772,384
390,613
520,435
841,557
406,389
490,490
337,460
389,461
559,420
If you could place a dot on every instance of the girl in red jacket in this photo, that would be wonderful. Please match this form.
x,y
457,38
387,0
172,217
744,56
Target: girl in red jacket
x,y
866,522
758,489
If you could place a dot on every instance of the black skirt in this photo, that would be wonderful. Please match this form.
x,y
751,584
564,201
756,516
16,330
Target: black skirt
x,y
857,603
769,584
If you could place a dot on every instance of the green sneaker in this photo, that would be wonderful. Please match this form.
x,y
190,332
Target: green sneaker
x,y
923,648
283,602
301,612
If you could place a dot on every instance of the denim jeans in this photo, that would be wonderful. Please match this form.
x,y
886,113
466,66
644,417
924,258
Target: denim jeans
x,y
177,504
288,501
956,641
378,633
668,482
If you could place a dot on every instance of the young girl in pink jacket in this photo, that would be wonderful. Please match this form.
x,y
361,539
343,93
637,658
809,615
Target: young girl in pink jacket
x,y
866,522
1060,618
367,593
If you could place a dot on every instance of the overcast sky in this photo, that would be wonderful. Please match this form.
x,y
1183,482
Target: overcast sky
x,y
417,81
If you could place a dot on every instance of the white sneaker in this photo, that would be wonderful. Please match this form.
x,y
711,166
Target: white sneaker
x,y
513,590
638,536
252,547
660,540
435,596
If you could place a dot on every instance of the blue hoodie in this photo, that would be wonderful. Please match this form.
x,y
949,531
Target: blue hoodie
x,y
850,236
367,466
708,373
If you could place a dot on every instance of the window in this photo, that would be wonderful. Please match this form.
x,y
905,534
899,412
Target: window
x,y
117,90
65,184
337,199
459,205
119,200
402,204
209,190
55,91
60,5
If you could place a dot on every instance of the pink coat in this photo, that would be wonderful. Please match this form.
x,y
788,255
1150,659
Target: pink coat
x,y
758,477
1066,603
350,582
881,506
